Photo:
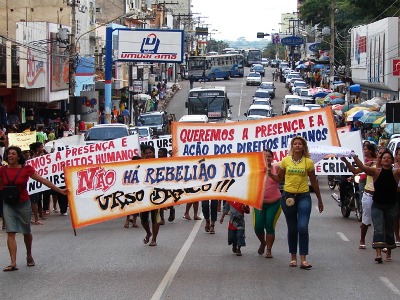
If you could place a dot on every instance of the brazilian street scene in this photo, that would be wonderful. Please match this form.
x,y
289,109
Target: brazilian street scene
x,y
199,149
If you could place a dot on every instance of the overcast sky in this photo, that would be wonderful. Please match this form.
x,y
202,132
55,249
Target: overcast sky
x,y
234,19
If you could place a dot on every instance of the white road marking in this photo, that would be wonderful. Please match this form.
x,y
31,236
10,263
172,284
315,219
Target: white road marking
x,y
390,285
342,236
240,99
173,269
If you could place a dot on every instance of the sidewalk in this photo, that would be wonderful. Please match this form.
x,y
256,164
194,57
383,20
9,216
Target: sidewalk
x,y
171,91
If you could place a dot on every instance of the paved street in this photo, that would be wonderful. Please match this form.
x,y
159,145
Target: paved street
x,y
108,261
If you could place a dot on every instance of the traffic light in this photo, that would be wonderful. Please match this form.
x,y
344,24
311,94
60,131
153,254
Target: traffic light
x,y
260,35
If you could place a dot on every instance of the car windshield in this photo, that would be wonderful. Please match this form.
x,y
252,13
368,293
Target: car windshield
x,y
295,101
259,112
262,102
261,95
105,134
150,120
254,75
304,93
266,86
300,84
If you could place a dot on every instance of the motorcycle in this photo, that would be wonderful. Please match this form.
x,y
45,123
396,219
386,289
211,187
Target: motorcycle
x,y
333,181
352,199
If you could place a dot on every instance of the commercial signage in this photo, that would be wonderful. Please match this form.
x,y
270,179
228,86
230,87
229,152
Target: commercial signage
x,y
292,41
396,66
145,45
314,47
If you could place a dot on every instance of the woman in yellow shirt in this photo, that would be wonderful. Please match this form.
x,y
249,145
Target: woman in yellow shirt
x,y
296,168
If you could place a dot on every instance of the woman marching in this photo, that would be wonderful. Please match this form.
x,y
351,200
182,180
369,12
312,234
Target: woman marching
x,y
264,220
17,213
384,203
296,168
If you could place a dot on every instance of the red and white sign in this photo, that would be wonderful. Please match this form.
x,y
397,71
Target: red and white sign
x,y
396,66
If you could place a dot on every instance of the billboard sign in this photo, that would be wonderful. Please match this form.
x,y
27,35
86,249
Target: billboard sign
x,y
292,41
145,45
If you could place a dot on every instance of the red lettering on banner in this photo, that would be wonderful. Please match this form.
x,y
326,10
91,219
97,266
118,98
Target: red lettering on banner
x,y
320,121
280,128
245,134
95,179
206,135
311,120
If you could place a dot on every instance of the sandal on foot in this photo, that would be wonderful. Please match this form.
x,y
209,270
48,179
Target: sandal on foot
x,y
293,263
212,230
187,217
10,268
238,253
269,254
37,223
126,225
261,249
153,243
30,262
362,247
207,227
146,240
197,218
305,265
388,259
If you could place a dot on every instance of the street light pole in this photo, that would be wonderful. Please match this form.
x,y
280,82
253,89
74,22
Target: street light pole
x,y
72,65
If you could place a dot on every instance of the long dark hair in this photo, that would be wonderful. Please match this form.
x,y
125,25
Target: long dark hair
x,y
21,158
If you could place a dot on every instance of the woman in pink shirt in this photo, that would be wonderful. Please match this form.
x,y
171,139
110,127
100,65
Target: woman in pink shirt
x,y
264,220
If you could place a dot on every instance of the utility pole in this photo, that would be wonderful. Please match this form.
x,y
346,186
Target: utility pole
x,y
72,102
332,45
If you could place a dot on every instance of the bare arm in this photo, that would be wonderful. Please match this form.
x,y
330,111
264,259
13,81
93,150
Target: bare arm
x,y
315,186
277,177
350,166
368,170
48,183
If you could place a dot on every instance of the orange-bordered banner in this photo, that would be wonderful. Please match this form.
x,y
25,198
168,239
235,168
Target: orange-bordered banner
x,y
97,193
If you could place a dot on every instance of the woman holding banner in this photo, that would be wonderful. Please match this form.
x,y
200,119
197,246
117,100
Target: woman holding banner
x,y
17,213
296,168
264,220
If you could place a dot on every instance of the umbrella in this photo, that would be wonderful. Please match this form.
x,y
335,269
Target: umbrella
x,y
337,101
320,94
371,117
379,121
356,115
354,109
301,66
389,128
337,107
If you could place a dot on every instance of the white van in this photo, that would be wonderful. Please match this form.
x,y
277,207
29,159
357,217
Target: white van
x,y
296,109
290,100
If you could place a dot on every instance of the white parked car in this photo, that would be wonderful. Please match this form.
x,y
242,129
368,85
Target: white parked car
x,y
290,100
106,132
253,78
296,109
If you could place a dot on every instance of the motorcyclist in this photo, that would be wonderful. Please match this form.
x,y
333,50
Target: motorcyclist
x,y
343,186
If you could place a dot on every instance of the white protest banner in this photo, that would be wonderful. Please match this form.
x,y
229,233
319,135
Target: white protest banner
x,y
164,141
65,142
51,166
334,165
98,193
22,139
316,126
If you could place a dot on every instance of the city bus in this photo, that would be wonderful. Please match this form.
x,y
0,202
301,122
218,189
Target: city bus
x,y
210,101
216,66
252,56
